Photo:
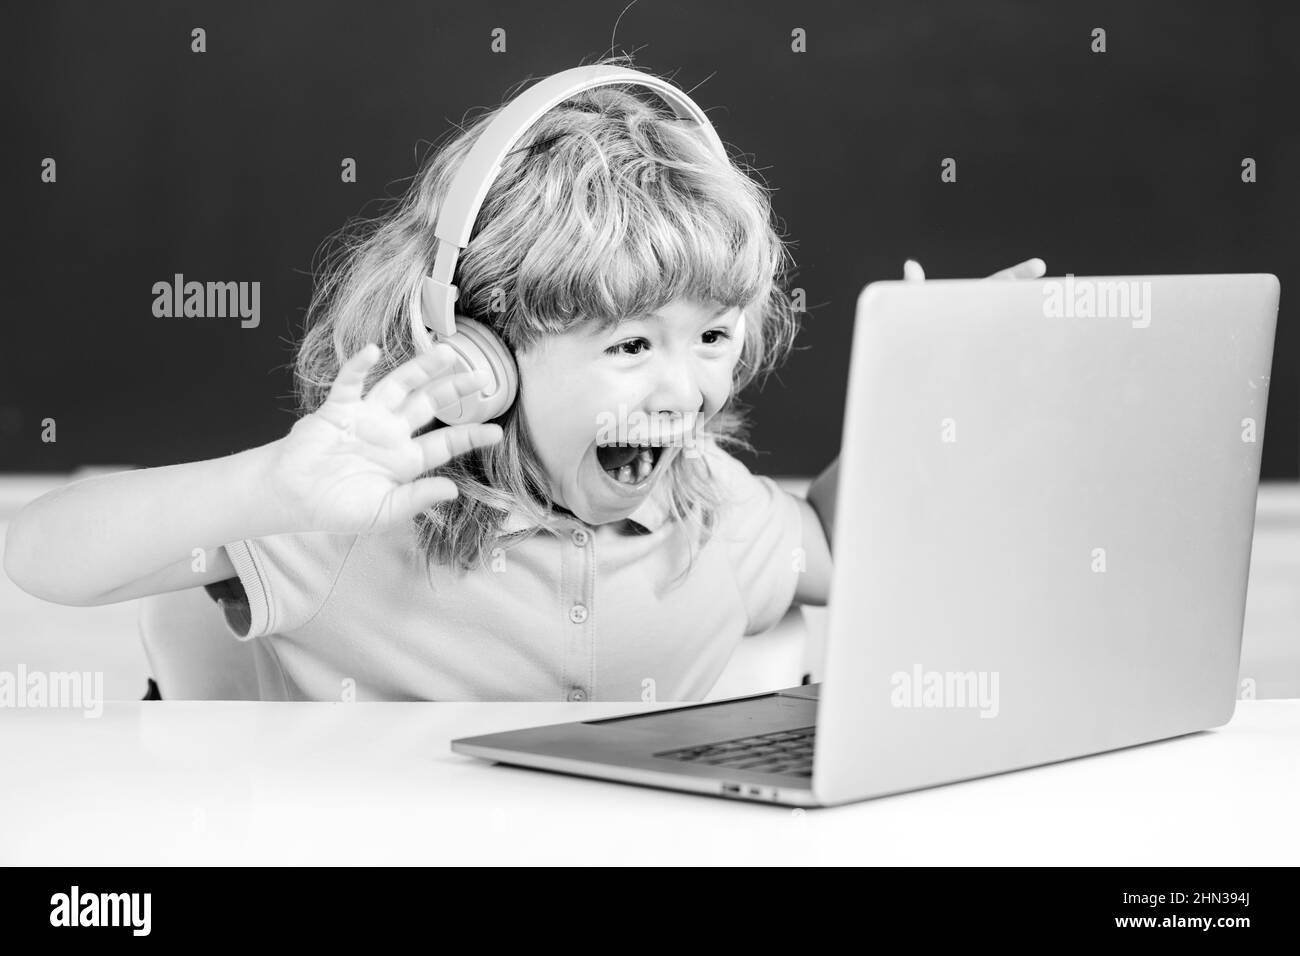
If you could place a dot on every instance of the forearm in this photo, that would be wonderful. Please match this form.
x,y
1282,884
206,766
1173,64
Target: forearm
x,y
818,509
92,537
822,495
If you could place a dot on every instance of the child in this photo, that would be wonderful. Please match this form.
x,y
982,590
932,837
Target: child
x,y
638,281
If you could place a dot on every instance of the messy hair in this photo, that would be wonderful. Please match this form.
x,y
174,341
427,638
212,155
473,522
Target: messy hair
x,y
611,208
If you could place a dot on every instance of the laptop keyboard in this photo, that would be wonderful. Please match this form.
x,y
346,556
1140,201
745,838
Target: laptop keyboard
x,y
786,751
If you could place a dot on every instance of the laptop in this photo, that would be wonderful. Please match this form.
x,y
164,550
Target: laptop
x,y
1042,544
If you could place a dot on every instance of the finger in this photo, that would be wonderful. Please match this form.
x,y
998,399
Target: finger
x,y
423,405
1029,269
390,391
443,444
352,375
912,271
415,497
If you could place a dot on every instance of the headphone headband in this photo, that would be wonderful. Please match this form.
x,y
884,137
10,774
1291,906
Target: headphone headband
x,y
436,305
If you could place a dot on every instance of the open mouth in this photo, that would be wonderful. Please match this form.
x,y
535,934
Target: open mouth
x,y
629,464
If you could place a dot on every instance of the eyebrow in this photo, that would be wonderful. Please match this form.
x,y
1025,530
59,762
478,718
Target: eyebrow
x,y
656,315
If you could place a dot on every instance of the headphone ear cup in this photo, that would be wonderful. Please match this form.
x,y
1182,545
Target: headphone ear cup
x,y
479,348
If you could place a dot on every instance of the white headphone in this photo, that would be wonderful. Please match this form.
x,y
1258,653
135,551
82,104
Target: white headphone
x,y
433,308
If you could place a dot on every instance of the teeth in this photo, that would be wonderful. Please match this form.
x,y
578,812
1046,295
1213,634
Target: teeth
x,y
638,469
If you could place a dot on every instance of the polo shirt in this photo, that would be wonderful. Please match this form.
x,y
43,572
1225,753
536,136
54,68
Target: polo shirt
x,y
575,612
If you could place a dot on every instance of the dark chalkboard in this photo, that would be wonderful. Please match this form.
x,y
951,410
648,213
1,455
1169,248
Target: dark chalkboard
x,y
225,165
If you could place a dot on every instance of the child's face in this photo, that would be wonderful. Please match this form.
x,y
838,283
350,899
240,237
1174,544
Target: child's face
x,y
653,378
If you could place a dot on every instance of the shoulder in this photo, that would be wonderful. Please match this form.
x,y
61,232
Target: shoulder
x,y
749,502
740,487
305,554
722,465
761,525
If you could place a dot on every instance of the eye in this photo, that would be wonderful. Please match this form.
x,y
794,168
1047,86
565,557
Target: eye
x,y
619,349
633,346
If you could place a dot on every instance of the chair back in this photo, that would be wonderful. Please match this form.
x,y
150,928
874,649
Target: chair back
x,y
191,652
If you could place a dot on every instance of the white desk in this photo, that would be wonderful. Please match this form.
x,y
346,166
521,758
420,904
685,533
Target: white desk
x,y
231,783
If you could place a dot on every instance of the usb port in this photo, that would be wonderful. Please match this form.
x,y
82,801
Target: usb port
x,y
731,788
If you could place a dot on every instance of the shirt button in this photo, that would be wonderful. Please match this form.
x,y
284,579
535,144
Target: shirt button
x,y
580,537
577,694
578,613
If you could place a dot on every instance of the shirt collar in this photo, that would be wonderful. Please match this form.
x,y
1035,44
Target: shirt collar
x,y
651,514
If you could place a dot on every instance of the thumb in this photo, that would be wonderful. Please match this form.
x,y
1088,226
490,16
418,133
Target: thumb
x,y
416,497
912,271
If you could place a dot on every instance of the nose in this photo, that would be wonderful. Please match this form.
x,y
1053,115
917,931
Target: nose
x,y
677,390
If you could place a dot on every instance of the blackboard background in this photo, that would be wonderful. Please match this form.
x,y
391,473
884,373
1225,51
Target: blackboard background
x,y
225,166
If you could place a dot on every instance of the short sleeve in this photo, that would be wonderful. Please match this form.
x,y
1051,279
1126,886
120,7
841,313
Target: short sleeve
x,y
283,581
762,526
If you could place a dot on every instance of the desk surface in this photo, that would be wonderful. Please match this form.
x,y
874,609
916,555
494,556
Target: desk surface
x,y
263,783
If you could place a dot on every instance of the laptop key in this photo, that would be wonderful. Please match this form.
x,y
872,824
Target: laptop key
x,y
748,764
777,749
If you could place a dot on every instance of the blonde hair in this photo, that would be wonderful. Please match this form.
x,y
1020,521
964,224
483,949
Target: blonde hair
x,y
613,208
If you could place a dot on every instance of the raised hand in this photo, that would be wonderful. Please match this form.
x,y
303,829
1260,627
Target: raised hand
x,y
1029,269
352,466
